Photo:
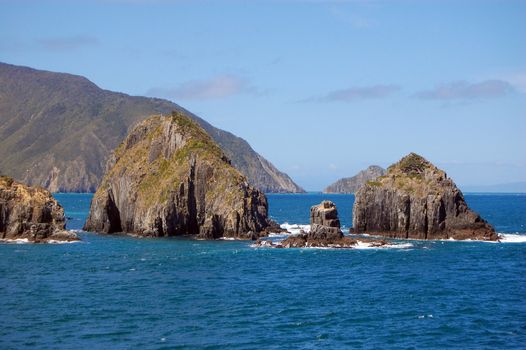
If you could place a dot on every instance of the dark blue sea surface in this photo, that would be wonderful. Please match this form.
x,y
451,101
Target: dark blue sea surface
x,y
116,292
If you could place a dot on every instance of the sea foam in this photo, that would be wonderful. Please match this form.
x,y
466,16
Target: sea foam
x,y
295,229
512,238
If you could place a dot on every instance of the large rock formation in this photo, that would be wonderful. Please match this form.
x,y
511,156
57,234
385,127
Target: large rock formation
x,y
415,199
30,213
57,131
170,178
352,184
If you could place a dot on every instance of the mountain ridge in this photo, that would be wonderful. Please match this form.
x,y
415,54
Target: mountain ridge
x,y
58,129
352,184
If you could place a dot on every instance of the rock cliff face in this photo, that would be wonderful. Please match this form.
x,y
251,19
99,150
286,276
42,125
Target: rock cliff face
x,y
57,131
352,184
324,222
30,213
414,199
170,178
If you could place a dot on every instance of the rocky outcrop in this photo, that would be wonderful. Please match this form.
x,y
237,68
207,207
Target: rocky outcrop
x,y
325,232
415,199
170,178
88,123
352,184
30,213
324,222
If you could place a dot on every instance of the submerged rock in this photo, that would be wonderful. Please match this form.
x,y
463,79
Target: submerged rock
x,y
170,178
417,200
30,213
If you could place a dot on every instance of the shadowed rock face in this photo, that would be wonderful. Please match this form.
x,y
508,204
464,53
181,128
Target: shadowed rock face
x,y
30,213
170,178
352,184
417,200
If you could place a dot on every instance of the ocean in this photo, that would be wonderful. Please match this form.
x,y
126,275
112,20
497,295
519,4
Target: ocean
x,y
117,292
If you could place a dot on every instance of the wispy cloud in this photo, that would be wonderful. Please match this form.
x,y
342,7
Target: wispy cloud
x,y
354,20
356,93
463,90
216,87
67,43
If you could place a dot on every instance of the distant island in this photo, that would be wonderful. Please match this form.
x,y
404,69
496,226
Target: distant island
x,y
352,184
57,130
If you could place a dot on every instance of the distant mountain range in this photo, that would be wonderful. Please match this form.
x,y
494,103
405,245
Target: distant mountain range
x,y
57,131
352,184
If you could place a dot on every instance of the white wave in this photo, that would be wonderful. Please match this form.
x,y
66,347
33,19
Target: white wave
x,y
27,241
295,229
15,241
227,239
512,238
503,238
368,245
53,241
278,235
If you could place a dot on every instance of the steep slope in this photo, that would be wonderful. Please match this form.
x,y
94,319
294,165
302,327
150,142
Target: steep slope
x,y
57,130
170,178
415,199
352,184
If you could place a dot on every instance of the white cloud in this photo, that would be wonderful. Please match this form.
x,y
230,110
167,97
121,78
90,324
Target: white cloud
x,y
216,87
356,93
463,90
67,43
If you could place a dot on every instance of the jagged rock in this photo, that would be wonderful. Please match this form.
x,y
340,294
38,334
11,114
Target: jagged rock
x,y
170,178
417,200
352,184
324,222
30,213
324,232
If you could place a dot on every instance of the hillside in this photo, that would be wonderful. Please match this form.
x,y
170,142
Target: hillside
x,y
352,184
57,130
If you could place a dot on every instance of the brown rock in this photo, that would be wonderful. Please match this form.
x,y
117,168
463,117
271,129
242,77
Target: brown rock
x,y
30,213
417,200
324,222
170,178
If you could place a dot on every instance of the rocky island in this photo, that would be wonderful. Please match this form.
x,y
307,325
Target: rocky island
x,y
167,178
31,214
415,199
325,232
352,184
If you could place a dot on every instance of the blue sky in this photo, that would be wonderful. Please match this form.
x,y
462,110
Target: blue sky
x,y
320,88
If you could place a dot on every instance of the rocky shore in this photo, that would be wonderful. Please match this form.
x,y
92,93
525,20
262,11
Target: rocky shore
x,y
31,214
170,178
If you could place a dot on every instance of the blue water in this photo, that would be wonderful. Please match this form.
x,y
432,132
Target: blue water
x,y
121,292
